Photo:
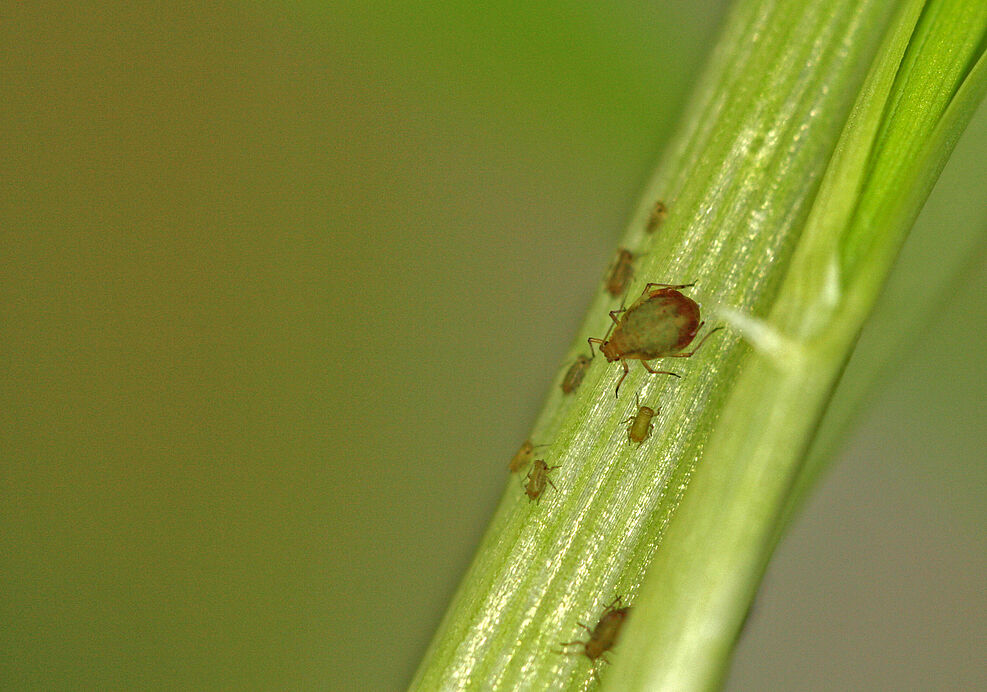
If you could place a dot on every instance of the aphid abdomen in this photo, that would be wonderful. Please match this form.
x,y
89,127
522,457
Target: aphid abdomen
x,y
537,479
575,374
640,428
621,272
594,649
649,328
523,456
603,637
606,631
661,325
657,216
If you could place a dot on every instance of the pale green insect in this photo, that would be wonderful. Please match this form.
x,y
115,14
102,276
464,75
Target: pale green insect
x,y
640,426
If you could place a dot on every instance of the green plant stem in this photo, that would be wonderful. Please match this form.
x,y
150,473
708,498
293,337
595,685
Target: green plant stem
x,y
910,112
749,222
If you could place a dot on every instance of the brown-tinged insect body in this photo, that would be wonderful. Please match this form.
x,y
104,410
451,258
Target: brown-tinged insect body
x,y
524,456
537,479
620,274
603,637
575,374
659,324
640,426
657,217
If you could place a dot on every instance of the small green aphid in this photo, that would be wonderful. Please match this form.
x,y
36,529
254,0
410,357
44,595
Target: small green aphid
x,y
603,637
575,374
640,426
621,272
537,478
658,325
657,216
523,456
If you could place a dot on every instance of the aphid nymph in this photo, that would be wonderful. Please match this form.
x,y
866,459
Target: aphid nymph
x,y
620,274
575,374
537,478
640,426
658,214
658,325
603,637
523,456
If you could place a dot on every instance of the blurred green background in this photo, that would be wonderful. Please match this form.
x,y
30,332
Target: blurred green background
x,y
283,287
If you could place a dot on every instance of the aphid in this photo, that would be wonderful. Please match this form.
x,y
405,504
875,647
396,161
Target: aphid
x,y
523,456
658,325
640,428
621,272
658,215
537,478
603,637
575,374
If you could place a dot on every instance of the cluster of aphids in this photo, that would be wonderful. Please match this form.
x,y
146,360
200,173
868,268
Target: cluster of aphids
x,y
661,323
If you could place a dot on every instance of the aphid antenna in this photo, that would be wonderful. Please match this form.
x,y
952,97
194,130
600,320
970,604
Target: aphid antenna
x,y
637,407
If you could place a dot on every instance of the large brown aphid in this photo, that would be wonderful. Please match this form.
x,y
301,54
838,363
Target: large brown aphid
x,y
575,374
523,456
658,325
640,426
620,274
603,637
537,478
658,214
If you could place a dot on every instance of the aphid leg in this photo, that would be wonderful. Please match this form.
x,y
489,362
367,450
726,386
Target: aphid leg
x,y
612,606
593,340
623,362
701,342
550,481
613,316
658,372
